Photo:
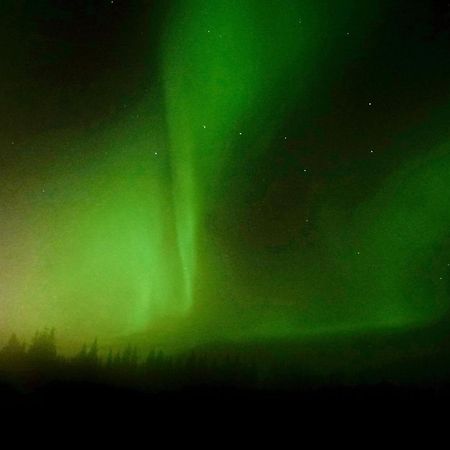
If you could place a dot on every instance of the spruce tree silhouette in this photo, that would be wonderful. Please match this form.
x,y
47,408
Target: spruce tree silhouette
x,y
43,347
13,350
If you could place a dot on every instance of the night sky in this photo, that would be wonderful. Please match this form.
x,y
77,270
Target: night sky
x,y
239,168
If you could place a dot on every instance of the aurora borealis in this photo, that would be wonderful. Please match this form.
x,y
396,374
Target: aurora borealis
x,y
236,168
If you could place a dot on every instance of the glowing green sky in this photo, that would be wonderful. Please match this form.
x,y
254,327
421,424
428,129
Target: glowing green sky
x,y
247,167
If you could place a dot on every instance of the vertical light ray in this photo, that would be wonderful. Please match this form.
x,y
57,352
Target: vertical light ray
x,y
221,69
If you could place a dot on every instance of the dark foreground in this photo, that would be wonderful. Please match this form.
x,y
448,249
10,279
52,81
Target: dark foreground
x,y
93,397
201,389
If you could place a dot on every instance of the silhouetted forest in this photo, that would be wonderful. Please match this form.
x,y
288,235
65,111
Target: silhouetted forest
x,y
248,381
370,359
39,363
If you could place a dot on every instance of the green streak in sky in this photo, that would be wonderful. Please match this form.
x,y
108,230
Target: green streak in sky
x,y
222,70
102,256
115,242
120,241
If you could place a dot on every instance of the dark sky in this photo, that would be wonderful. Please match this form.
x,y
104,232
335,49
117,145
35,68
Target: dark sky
x,y
266,167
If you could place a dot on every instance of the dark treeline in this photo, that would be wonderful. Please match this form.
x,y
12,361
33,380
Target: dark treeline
x,y
244,380
38,363
369,361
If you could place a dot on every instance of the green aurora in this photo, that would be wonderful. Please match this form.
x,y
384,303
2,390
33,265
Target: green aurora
x,y
236,169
